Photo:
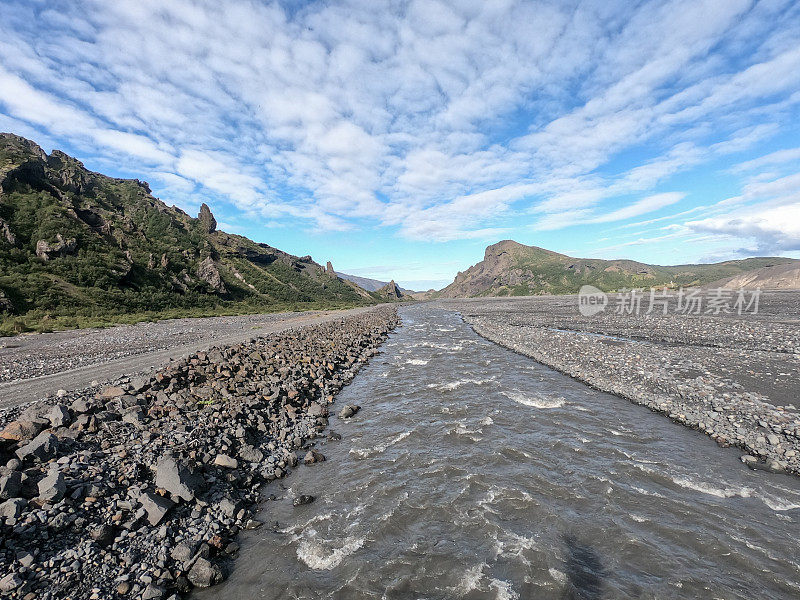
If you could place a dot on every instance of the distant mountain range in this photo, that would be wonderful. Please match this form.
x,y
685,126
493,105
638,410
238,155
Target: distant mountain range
x,y
77,243
371,285
513,269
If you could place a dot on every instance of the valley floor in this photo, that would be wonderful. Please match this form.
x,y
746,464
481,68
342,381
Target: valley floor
x,y
732,376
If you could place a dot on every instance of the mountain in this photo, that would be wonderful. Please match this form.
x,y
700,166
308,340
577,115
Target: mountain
x,y
390,292
511,268
371,285
77,244
777,277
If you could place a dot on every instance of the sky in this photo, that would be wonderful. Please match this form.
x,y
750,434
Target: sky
x,y
399,139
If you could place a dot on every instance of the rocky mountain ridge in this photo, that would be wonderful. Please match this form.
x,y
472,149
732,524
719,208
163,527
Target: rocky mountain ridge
x,y
513,269
75,242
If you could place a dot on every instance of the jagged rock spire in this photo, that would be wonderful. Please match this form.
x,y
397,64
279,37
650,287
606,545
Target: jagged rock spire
x,y
207,219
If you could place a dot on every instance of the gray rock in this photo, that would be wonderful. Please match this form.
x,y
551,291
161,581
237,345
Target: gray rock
x,y
10,485
250,454
317,410
59,416
52,487
204,574
153,592
10,583
313,456
225,461
103,534
184,551
176,479
133,415
773,439
155,506
303,500
348,411
11,509
44,447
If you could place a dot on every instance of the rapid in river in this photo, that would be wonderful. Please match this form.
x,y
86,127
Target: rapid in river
x,y
473,472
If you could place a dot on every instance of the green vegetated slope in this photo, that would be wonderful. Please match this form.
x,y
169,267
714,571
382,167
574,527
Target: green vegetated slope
x,y
80,248
513,269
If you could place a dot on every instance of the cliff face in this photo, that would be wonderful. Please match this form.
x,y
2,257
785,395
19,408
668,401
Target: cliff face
x,y
77,242
511,268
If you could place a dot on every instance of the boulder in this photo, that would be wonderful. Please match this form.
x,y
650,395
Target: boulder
x,y
10,485
313,456
155,506
153,592
226,462
204,573
11,509
44,447
112,391
348,411
22,429
250,454
53,487
103,534
176,479
184,551
58,416
317,410
10,583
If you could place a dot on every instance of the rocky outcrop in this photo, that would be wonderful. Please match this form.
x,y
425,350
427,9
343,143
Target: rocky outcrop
x,y
208,272
207,220
62,247
6,234
390,291
329,269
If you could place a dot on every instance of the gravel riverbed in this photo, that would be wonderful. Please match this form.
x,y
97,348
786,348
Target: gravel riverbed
x,y
734,377
33,355
138,489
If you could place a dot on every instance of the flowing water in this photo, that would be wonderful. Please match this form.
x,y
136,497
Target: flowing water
x,y
473,472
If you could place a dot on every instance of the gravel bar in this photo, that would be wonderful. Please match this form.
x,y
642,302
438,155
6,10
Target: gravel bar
x,y
34,366
733,377
138,489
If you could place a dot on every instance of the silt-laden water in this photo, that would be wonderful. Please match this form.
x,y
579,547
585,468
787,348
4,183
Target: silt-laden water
x,y
473,472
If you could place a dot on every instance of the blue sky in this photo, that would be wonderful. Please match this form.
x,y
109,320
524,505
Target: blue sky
x,y
398,139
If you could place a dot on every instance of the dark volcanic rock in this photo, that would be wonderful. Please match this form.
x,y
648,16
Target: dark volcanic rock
x,y
206,431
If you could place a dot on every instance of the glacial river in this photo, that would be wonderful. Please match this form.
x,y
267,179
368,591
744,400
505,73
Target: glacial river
x,y
473,472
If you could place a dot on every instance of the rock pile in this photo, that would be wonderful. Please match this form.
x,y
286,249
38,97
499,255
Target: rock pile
x,y
138,490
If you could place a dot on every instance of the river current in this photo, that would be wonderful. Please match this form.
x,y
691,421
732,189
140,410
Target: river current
x,y
472,472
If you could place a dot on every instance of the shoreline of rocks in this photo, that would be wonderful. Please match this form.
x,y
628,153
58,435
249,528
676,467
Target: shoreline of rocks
x,y
635,370
138,489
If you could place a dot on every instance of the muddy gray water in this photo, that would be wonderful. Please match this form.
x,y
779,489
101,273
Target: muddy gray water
x,y
473,472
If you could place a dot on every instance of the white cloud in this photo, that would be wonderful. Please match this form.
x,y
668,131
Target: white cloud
x,y
771,230
446,120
